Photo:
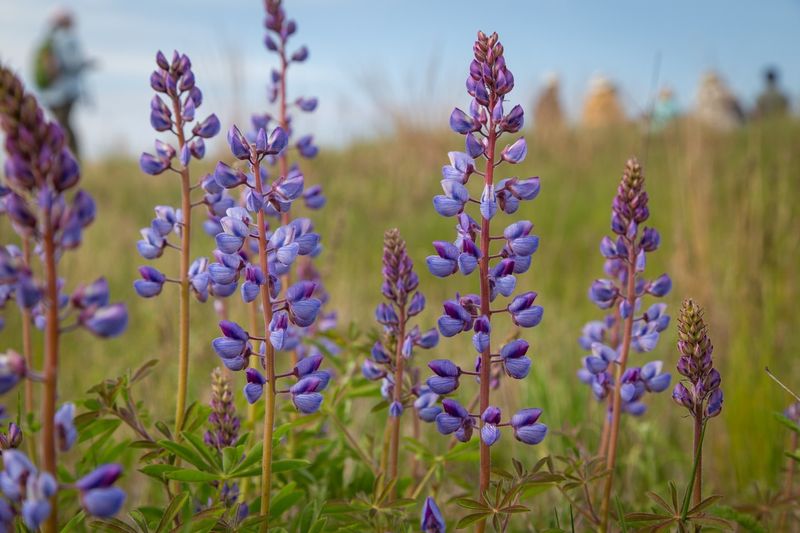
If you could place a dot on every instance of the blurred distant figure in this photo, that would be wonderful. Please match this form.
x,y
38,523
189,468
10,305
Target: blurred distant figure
x,y
547,113
717,107
772,102
665,109
59,65
601,107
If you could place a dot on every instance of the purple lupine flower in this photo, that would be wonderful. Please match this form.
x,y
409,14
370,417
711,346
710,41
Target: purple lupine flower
x,y
65,427
12,439
97,495
625,256
13,369
175,112
432,520
490,433
488,83
49,213
392,356
526,427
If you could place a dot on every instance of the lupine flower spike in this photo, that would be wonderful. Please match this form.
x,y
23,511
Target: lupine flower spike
x,y
174,109
278,249
626,327
392,356
699,391
279,31
40,200
487,120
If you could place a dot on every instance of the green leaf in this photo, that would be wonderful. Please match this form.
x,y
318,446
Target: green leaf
x,y
252,457
230,456
158,470
73,523
471,519
705,504
469,503
99,426
111,525
185,453
285,465
175,506
514,509
318,526
143,370
191,476
284,499
200,446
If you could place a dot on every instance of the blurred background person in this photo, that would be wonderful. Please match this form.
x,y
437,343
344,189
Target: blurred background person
x,y
59,66
772,102
665,109
601,107
717,106
548,115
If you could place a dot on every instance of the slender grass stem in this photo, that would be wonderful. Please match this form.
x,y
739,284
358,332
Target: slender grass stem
x,y
616,412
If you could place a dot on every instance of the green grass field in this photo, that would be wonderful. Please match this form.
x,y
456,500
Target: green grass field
x,y
727,210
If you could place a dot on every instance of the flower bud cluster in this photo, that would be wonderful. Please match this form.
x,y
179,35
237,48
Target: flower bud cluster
x,y
403,302
700,390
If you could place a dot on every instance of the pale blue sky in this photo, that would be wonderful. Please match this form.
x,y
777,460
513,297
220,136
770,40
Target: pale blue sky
x,y
367,55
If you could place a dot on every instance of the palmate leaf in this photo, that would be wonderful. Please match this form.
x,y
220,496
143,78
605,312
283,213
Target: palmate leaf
x,y
471,519
252,457
645,517
110,525
202,449
278,466
143,371
101,428
172,510
158,471
186,453
515,509
469,503
704,504
284,499
191,476
661,502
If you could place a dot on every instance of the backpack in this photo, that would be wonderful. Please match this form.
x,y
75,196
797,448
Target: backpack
x,y
45,64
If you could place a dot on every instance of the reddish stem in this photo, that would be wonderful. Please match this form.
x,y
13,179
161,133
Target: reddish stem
x,y
486,356
698,453
394,444
611,458
50,364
